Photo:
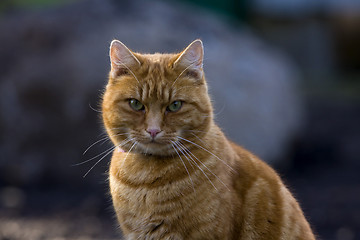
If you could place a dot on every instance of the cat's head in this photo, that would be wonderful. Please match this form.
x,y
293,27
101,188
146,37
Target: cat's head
x,y
153,100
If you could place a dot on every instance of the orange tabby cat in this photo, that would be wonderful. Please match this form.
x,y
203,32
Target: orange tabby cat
x,y
173,174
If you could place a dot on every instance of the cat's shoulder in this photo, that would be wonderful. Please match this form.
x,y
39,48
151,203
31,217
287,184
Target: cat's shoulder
x,y
249,163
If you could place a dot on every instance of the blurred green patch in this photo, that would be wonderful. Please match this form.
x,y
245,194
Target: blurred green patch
x,y
346,87
6,5
233,9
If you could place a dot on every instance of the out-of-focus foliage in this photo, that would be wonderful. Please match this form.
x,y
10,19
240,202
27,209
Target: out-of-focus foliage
x,y
13,4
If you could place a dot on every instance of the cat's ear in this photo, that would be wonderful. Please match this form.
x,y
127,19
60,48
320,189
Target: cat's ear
x,y
122,59
191,59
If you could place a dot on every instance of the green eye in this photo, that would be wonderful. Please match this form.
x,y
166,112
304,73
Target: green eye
x,y
174,106
136,104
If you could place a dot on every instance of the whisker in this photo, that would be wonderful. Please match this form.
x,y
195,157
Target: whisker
x,y
121,144
106,134
197,145
221,110
102,139
204,165
192,183
97,162
187,152
182,73
202,141
132,146
86,161
104,152
120,62
183,153
95,110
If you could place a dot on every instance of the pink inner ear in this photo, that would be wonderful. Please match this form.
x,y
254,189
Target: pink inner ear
x,y
121,57
192,57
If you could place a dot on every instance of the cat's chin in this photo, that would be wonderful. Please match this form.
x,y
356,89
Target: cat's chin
x,y
155,149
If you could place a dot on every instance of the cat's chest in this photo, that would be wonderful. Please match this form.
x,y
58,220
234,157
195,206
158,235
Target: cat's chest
x,y
168,201
149,198
147,186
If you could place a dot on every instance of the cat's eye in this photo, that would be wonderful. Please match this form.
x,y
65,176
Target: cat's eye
x,y
174,106
136,104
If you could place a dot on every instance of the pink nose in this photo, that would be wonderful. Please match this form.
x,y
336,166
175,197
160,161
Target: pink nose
x,y
153,132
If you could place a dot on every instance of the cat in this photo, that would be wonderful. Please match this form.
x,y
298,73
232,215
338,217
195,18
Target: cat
x,y
173,174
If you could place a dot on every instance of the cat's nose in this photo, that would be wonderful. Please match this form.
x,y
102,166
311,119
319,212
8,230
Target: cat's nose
x,y
153,132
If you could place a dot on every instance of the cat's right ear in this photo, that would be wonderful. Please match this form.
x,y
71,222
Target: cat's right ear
x,y
122,59
191,59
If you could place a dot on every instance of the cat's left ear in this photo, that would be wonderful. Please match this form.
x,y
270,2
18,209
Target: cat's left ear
x,y
191,59
122,59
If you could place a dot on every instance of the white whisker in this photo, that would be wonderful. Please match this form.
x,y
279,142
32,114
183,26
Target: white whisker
x,y
97,163
187,152
192,183
221,110
197,145
184,154
204,165
182,73
132,73
202,141
104,139
95,110
104,152
119,145
132,146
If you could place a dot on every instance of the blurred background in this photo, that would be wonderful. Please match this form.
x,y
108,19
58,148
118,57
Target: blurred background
x,y
284,77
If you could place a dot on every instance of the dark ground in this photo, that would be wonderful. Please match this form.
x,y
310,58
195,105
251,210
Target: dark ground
x,y
325,174
324,177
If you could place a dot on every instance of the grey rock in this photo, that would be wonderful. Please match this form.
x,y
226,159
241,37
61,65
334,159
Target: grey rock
x,y
54,63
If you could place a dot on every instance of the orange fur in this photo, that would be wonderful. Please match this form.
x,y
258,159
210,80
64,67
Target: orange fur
x,y
189,181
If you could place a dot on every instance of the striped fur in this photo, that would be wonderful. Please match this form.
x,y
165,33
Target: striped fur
x,y
191,182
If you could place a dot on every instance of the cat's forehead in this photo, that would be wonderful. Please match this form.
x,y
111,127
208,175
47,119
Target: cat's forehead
x,y
158,58
157,79
157,67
